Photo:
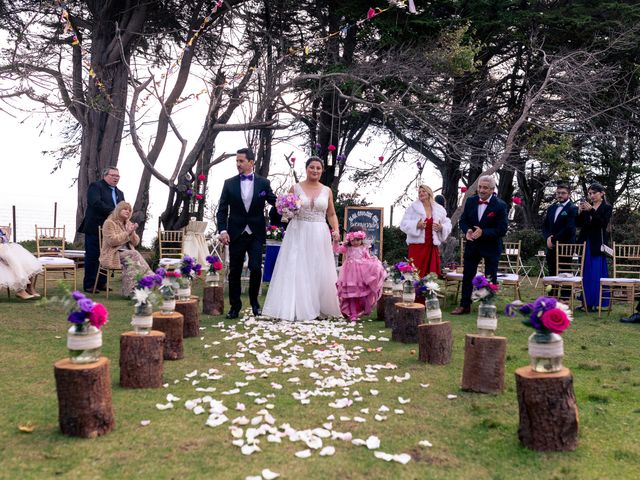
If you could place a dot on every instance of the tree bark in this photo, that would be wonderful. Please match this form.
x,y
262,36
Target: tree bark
x,y
213,300
435,343
406,319
548,410
141,359
484,363
381,306
189,310
84,398
390,310
171,325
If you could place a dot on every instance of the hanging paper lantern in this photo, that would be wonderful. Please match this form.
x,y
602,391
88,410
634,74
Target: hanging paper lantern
x,y
381,158
463,189
331,148
318,147
341,158
517,200
371,13
202,177
189,192
199,197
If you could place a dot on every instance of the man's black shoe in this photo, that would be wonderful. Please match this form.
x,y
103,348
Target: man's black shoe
x,y
635,318
257,311
232,314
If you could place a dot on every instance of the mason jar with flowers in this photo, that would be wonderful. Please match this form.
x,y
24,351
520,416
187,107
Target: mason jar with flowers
x,y
188,269
212,279
428,288
407,272
387,286
145,297
549,318
84,337
168,289
486,293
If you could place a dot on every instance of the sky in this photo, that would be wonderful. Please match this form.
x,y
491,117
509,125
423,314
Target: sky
x,y
30,185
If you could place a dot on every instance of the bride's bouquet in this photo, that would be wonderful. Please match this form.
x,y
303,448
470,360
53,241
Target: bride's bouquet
x,y
288,205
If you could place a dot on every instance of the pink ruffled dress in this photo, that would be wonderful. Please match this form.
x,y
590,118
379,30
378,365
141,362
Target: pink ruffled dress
x,y
360,281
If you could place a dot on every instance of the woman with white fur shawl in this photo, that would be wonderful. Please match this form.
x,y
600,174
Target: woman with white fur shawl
x,y
426,224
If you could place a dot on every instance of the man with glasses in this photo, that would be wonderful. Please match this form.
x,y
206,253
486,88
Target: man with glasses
x,y
102,197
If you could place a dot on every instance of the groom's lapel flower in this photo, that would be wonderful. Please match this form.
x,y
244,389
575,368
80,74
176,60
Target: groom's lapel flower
x,y
262,194
563,213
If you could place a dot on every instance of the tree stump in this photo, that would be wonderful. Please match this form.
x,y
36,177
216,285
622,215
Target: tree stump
x,y
189,310
548,410
435,343
389,309
172,325
213,300
484,362
141,359
84,398
406,318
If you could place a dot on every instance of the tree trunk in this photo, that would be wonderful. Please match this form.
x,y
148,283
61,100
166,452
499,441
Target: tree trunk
x,y
189,310
172,326
406,319
141,359
484,362
213,300
390,309
435,343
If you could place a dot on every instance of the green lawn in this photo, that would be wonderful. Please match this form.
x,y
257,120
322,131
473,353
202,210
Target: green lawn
x,y
473,436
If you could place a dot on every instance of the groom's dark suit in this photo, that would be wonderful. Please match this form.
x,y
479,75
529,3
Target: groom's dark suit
x,y
561,226
488,247
234,218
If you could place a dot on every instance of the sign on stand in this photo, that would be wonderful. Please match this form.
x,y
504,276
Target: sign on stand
x,y
371,219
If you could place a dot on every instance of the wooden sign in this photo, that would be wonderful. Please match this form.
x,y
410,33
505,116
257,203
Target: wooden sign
x,y
371,219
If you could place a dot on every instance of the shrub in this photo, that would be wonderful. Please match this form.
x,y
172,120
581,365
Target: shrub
x,y
394,245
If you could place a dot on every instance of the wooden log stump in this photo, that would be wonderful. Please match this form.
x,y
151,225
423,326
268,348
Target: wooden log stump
x,y
484,362
406,318
172,325
141,359
389,309
84,398
189,310
213,300
435,343
548,410
380,306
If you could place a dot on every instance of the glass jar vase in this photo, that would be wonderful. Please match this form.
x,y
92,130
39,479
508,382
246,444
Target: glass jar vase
x,y
212,279
184,290
433,314
546,351
142,319
84,342
487,321
387,287
408,291
397,289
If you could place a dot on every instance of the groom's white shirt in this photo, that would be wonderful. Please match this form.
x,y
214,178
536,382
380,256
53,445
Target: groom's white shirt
x,y
246,192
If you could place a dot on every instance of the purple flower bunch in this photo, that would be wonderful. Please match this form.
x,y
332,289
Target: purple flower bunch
x,y
86,310
150,281
288,205
545,314
188,267
483,290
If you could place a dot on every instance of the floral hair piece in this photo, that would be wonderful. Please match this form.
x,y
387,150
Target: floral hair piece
x,y
355,236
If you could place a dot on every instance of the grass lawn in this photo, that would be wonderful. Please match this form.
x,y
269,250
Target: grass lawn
x,y
473,435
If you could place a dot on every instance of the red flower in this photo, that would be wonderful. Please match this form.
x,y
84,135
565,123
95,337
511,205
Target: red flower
x,y
491,214
463,189
199,197
517,200
331,148
293,159
555,320
202,177
371,13
381,158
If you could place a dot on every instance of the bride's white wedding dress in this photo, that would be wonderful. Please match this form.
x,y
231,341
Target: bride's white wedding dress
x,y
303,285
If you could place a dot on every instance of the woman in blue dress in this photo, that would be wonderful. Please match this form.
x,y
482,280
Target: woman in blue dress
x,y
593,219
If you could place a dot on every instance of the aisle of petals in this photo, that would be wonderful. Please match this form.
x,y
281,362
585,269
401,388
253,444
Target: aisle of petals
x,y
304,350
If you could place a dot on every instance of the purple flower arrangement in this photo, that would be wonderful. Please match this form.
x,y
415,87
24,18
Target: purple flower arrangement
x,y
483,290
86,310
545,314
215,265
288,205
189,267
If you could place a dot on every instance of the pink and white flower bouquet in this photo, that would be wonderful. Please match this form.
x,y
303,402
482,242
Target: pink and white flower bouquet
x,y
288,205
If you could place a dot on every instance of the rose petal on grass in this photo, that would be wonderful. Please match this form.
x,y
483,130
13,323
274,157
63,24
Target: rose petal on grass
x,y
269,475
425,443
387,457
451,397
403,401
165,406
373,442
402,458
327,451
303,453
145,423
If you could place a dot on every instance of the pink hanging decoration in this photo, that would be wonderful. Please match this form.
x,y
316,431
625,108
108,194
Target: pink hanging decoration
x,y
371,13
331,148
381,158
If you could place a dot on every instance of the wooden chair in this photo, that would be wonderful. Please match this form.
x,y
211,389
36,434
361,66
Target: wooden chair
x,y
171,247
454,279
50,251
569,268
509,267
108,272
625,284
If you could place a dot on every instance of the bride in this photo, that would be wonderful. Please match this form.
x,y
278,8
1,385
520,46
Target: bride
x,y
303,285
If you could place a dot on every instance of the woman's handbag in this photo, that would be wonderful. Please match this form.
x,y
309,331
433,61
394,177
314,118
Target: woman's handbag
x,y
604,248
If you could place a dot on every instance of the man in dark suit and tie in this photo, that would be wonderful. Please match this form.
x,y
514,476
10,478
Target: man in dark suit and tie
x,y
242,226
484,223
559,224
102,197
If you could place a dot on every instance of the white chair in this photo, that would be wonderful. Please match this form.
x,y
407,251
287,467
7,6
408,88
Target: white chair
x,y
509,267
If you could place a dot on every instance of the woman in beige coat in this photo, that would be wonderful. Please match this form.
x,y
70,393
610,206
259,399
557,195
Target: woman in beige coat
x,y
119,239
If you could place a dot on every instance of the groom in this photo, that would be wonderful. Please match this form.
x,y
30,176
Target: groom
x,y
241,225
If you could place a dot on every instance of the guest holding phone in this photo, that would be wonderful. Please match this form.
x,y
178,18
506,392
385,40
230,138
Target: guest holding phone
x,y
593,219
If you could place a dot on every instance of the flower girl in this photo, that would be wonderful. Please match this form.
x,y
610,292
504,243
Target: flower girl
x,y
361,276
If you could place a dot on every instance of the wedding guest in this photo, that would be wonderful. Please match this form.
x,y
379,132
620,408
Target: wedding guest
x,y
119,239
361,276
484,222
593,219
102,197
559,224
427,226
242,226
19,269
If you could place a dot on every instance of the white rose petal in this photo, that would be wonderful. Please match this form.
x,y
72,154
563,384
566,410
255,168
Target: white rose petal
x,y
383,456
383,408
425,443
373,442
402,458
249,449
172,398
358,442
398,411
451,397
145,423
359,419
166,406
327,451
403,401
303,453
238,442
374,392
380,418
269,475
198,410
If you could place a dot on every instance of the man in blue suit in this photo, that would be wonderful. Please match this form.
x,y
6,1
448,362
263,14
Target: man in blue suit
x,y
484,222
559,224
102,197
242,226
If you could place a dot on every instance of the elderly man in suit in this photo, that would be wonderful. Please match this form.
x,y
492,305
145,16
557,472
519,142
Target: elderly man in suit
x,y
484,223
102,198
242,226
559,224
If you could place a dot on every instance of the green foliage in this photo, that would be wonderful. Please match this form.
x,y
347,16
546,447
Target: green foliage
x,y
624,225
347,200
555,151
456,53
394,245
532,241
